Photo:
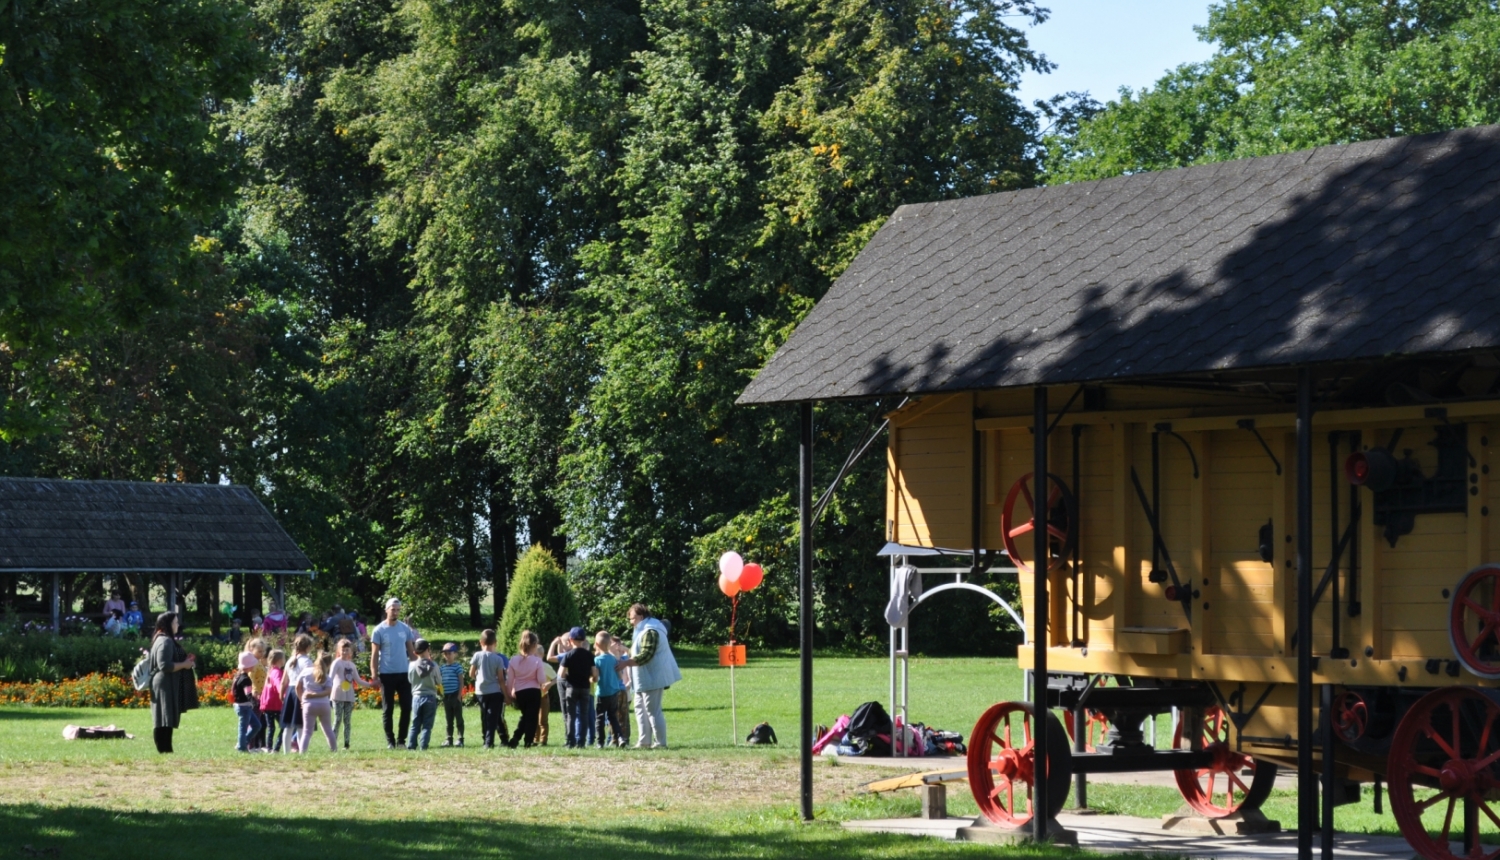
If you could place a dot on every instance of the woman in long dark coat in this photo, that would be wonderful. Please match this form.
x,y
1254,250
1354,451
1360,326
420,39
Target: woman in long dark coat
x,y
172,685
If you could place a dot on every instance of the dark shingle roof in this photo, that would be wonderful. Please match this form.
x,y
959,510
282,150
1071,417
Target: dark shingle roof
x,y
97,526
1332,254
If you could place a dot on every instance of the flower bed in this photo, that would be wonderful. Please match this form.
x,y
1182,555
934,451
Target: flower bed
x,y
91,691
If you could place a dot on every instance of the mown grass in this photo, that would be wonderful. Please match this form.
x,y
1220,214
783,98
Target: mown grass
x,y
705,797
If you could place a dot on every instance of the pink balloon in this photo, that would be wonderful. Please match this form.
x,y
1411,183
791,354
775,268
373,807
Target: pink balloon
x,y
728,585
730,564
750,576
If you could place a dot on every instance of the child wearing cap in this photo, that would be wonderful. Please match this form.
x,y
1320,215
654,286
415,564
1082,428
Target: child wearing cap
x,y
577,674
426,688
453,692
134,619
241,691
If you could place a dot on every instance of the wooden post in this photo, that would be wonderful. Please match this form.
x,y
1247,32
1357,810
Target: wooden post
x,y
1040,612
805,601
56,603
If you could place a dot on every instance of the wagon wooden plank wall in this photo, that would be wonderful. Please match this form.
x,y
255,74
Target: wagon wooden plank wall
x,y
1269,398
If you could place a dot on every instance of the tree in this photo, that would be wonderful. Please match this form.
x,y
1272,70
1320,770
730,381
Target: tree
x,y
112,158
540,600
1294,74
767,142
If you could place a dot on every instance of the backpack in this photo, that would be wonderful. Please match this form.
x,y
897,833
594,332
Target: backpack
x,y
868,721
140,674
761,734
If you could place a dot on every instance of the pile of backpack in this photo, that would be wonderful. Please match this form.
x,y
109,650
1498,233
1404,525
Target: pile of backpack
x,y
869,731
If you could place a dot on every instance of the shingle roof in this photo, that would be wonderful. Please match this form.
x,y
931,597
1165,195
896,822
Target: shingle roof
x,y
1332,254
101,526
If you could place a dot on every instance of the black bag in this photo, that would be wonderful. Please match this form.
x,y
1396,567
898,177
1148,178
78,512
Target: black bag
x,y
761,734
869,720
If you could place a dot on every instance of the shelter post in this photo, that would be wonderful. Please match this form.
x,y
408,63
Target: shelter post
x,y
281,592
56,603
171,592
1307,778
1041,560
805,599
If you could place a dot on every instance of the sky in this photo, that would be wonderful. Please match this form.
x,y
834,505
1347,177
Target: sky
x,y
1102,45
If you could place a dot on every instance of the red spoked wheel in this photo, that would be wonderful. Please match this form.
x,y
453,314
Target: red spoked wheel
x,y
1002,764
1449,741
1351,716
1474,621
1062,513
1220,788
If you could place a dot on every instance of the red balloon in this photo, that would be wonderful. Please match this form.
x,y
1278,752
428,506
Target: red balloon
x,y
728,586
750,576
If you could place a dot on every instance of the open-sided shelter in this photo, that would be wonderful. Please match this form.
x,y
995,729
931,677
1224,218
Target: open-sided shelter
x,y
1266,397
161,531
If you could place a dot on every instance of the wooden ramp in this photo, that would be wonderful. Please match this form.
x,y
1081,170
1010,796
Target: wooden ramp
x,y
916,780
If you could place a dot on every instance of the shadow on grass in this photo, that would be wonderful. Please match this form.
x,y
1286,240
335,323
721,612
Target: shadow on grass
x,y
86,717
86,832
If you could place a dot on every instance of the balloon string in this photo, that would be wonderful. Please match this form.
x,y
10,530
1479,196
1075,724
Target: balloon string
x,y
734,609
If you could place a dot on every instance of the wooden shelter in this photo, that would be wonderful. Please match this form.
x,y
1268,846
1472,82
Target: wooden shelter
x,y
1266,394
160,531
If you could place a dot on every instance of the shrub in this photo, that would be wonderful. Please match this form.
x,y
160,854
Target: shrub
x,y
45,656
540,600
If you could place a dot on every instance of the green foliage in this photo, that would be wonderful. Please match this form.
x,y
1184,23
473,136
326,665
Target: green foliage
x,y
540,601
1293,74
42,656
424,574
110,163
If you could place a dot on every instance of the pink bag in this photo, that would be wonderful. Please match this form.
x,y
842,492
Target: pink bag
x,y
833,735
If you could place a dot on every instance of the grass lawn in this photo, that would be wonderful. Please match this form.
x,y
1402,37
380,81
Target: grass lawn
x,y
704,797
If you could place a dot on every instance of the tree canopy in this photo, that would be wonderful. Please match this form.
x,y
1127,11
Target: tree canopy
x,y
1294,74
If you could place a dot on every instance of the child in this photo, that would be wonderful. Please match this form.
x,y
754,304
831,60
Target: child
x,y
544,710
257,649
577,674
291,707
526,682
488,669
241,690
453,692
270,698
426,690
134,619
622,654
346,681
607,708
315,689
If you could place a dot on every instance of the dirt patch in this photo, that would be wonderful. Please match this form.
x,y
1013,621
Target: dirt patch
x,y
451,783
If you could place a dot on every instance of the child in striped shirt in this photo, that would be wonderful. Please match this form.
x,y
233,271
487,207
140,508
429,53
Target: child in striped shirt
x,y
453,692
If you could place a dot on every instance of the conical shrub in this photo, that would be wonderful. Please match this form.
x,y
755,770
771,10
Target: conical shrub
x,y
540,601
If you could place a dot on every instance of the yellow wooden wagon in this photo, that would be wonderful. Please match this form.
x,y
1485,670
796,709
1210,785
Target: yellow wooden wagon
x,y
1267,395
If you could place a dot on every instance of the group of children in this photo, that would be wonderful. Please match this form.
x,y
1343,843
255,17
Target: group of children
x,y
278,701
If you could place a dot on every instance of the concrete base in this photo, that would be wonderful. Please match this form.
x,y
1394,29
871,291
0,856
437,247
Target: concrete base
x,y
1244,823
982,830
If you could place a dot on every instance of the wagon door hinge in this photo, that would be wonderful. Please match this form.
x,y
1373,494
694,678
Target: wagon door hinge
x,y
1249,424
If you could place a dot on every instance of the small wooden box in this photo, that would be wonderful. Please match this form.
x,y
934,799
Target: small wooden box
x,y
1151,640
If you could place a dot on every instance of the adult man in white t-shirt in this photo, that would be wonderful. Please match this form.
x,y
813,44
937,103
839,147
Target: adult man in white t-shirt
x,y
391,652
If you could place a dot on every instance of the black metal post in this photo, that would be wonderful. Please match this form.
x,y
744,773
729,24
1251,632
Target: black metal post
x,y
1041,489
1307,778
1080,744
1325,845
805,601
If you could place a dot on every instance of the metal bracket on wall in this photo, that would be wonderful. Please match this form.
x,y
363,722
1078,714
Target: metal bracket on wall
x,y
1166,428
1249,424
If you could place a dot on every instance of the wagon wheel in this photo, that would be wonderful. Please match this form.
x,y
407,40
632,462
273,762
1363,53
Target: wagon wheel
x,y
1220,788
1095,726
1450,741
1002,764
1474,621
1351,716
1062,513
